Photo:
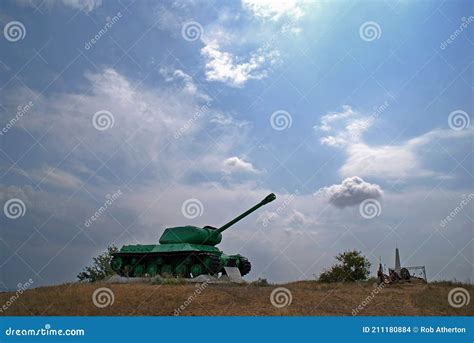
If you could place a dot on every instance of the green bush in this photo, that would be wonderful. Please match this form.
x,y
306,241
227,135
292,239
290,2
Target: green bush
x,y
352,266
100,267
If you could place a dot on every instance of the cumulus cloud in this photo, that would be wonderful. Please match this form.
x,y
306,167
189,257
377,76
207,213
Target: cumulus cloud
x,y
274,10
235,165
352,191
236,71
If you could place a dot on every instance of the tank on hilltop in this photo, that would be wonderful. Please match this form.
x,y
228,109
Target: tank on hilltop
x,y
184,251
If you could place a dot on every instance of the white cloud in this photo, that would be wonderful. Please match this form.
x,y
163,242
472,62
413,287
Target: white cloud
x,y
235,165
344,130
351,192
146,120
57,177
274,10
183,79
235,71
226,119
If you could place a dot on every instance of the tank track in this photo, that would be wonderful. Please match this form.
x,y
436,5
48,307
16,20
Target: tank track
x,y
213,265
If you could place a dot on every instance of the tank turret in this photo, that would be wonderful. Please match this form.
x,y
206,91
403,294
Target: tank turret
x,y
207,235
183,251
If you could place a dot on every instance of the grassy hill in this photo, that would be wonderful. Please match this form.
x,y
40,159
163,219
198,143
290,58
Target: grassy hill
x,y
309,298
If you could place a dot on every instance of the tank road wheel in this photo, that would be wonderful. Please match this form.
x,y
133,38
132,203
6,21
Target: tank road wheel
x,y
244,266
181,270
167,270
212,264
152,269
197,269
116,263
138,270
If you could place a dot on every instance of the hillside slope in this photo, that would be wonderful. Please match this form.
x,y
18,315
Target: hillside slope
x,y
309,298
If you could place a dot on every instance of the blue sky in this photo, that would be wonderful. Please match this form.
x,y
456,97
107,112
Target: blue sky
x,y
326,104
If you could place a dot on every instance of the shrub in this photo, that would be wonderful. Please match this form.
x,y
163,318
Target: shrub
x,y
352,266
100,267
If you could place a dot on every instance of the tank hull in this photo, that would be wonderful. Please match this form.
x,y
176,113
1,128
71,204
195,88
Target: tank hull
x,y
177,260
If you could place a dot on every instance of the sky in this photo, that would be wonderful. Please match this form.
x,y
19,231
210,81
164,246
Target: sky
x,y
121,118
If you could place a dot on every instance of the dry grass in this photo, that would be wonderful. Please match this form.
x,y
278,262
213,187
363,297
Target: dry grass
x,y
310,298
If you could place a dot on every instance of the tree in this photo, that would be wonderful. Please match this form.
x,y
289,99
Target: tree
x,y
100,267
352,266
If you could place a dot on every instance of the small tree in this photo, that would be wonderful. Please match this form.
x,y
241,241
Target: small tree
x,y
100,267
352,266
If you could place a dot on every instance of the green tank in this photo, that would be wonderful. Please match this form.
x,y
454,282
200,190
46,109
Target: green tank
x,y
184,251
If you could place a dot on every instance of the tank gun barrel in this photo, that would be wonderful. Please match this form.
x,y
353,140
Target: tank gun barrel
x,y
269,198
